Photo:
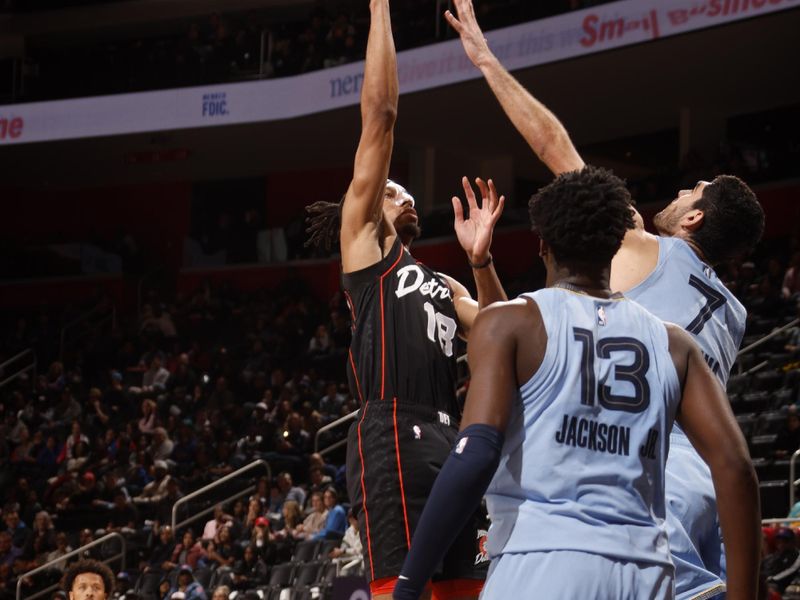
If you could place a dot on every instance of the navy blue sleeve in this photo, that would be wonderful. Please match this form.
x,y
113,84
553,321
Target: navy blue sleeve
x,y
456,495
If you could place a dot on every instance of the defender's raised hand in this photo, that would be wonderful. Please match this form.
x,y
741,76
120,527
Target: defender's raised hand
x,y
472,38
475,231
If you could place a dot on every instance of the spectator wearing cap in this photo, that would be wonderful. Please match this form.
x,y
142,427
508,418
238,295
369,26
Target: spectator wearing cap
x,y
248,448
783,565
260,537
122,585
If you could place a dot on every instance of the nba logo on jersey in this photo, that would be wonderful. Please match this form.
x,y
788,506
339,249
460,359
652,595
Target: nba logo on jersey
x,y
707,272
601,317
462,443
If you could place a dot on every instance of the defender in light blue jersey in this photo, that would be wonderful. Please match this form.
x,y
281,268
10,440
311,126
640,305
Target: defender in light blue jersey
x,y
573,395
717,221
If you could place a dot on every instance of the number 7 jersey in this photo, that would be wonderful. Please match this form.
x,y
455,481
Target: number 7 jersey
x,y
683,290
404,329
582,467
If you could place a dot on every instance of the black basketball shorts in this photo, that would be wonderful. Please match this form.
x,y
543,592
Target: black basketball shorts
x,y
394,453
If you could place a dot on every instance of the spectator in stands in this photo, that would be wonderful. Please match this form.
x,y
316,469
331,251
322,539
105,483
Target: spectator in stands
x,y
66,411
315,520
320,343
188,585
318,482
221,551
260,536
248,447
331,402
164,506
161,446
154,380
783,565
788,439
288,490
123,516
9,554
250,570
44,534
62,548
336,521
160,551
156,490
292,518
791,280
147,423
350,552
219,521
188,552
221,592
21,534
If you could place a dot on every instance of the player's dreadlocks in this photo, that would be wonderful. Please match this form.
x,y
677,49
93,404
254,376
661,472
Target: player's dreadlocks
x,y
583,215
324,221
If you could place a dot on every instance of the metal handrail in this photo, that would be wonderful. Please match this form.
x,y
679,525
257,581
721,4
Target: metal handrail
x,y
69,555
215,484
210,509
766,338
333,425
30,367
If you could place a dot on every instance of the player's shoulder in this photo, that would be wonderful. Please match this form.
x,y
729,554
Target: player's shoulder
x,y
507,318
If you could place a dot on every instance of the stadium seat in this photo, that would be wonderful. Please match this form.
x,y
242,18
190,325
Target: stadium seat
x,y
305,551
767,381
762,446
747,423
738,384
279,577
774,499
325,548
756,402
770,422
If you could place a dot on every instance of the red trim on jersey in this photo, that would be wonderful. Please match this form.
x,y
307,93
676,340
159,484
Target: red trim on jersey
x,y
456,588
351,306
400,473
355,376
364,491
383,333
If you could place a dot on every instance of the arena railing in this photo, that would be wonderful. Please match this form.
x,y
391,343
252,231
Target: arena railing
x,y
214,485
346,419
28,366
761,341
48,565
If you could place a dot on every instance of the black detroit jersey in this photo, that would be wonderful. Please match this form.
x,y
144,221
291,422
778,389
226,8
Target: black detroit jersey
x,y
404,333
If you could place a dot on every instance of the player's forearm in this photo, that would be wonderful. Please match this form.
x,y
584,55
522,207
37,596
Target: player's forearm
x,y
488,285
540,128
379,93
736,489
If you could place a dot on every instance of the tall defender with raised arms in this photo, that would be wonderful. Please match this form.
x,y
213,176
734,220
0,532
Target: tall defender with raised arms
x,y
574,392
671,275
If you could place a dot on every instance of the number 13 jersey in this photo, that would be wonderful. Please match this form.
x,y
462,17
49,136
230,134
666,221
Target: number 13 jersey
x,y
582,467
404,329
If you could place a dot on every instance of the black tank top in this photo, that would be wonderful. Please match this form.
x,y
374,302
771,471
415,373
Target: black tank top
x,y
404,333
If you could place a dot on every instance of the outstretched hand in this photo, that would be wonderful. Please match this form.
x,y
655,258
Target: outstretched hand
x,y
475,231
472,38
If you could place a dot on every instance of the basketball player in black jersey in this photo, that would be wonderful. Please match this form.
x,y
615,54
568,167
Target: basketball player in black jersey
x,y
402,364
